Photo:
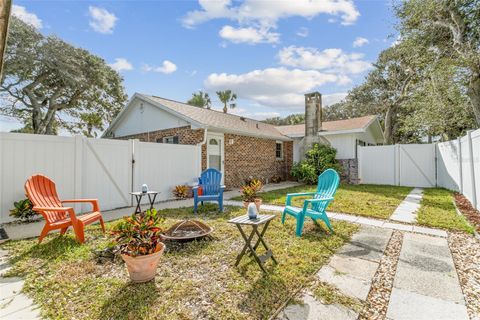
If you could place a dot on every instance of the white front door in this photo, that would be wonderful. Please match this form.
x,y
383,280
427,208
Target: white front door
x,y
215,152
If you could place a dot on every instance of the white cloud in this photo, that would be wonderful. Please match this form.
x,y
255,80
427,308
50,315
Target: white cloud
x,y
101,20
265,14
274,87
329,60
166,67
329,99
248,35
27,17
359,42
121,64
302,32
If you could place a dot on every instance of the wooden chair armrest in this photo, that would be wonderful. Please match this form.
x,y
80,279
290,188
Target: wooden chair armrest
x,y
292,195
94,202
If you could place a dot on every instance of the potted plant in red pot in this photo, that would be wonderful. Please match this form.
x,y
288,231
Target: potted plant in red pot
x,y
249,193
140,244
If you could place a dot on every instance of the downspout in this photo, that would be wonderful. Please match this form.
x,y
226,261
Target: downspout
x,y
200,144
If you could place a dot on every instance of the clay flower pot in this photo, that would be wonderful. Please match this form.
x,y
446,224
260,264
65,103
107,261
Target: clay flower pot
x,y
143,268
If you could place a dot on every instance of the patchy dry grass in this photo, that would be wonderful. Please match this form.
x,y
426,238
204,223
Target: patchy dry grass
x,y
195,280
328,294
437,210
376,201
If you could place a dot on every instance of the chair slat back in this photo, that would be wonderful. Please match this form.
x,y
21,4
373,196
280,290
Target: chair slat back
x,y
211,181
42,193
328,183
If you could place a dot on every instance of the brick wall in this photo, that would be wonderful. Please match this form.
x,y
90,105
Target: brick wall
x,y
186,135
246,157
254,157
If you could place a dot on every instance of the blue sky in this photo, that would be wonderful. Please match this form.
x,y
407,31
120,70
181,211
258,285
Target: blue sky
x,y
270,53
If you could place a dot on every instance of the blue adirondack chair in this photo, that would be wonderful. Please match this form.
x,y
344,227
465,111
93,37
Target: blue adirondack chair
x,y
212,190
327,186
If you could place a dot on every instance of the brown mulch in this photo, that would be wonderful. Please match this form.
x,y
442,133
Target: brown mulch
x,y
466,256
379,296
466,208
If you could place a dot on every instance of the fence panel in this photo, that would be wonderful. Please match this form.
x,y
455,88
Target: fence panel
x,y
476,164
107,172
22,155
416,165
163,166
376,165
448,162
92,168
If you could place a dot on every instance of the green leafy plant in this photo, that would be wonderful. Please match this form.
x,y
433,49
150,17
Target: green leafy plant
x,y
181,191
250,190
139,234
318,159
23,210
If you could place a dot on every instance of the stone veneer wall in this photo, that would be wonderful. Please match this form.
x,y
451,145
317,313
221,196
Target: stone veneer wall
x,y
350,170
254,157
245,157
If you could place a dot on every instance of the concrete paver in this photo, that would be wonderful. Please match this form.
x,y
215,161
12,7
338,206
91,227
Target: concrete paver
x,y
406,305
407,210
315,310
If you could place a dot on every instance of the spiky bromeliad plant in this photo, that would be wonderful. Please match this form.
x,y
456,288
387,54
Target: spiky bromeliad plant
x,y
139,234
250,190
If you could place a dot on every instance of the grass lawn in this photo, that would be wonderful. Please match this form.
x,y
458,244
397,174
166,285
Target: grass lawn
x,y
437,210
195,280
376,201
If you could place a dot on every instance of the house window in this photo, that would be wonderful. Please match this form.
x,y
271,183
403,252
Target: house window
x,y
171,140
279,150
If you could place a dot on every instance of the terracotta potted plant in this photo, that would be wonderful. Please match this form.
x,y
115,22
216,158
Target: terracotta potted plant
x,y
140,244
249,193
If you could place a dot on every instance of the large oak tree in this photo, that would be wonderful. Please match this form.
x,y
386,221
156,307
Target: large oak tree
x,y
49,84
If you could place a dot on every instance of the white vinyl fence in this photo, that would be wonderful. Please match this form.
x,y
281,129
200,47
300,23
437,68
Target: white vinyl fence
x,y
93,168
454,165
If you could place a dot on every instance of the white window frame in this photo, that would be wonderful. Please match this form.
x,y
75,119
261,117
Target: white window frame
x,y
281,150
165,139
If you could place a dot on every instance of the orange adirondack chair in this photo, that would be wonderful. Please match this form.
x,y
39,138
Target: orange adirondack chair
x,y
42,193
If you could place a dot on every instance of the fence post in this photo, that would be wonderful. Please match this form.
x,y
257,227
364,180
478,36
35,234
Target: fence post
x,y
135,159
460,163
359,164
2,218
397,164
78,169
472,168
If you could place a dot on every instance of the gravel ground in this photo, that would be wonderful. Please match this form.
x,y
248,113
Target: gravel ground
x,y
377,301
468,210
466,256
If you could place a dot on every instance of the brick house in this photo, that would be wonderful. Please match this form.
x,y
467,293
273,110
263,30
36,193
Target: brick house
x,y
237,146
241,147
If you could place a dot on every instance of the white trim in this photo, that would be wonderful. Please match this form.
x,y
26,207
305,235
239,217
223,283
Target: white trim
x,y
282,150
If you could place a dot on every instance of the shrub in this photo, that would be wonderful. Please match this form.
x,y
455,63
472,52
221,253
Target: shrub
x,y
139,234
181,191
318,159
249,191
22,210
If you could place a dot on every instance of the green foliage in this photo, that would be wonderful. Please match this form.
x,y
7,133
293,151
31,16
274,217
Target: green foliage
x,y
181,191
318,159
292,119
251,189
200,99
49,84
139,234
225,97
23,210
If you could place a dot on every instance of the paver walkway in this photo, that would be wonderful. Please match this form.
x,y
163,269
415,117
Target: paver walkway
x,y
360,220
426,285
407,210
14,305
350,270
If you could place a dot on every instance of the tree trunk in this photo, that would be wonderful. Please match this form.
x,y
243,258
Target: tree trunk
x,y
388,133
225,110
473,93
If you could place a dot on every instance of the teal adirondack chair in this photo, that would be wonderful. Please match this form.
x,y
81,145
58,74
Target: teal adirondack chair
x,y
328,183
